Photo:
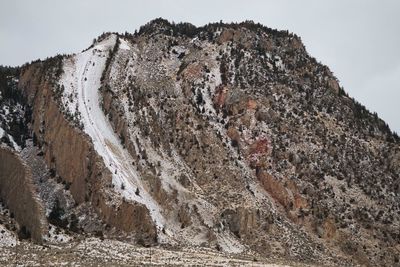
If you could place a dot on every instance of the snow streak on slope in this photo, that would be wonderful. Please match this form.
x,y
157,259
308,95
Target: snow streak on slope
x,y
81,78
14,144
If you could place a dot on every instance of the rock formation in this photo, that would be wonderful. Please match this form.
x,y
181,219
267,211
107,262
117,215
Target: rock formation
x,y
227,136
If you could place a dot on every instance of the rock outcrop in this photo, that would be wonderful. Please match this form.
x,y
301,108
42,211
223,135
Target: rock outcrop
x,y
19,195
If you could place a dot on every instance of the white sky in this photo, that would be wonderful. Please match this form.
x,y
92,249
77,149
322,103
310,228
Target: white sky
x,y
358,39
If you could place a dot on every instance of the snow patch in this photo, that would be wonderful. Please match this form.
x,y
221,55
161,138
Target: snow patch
x,y
124,45
229,244
56,235
13,143
7,238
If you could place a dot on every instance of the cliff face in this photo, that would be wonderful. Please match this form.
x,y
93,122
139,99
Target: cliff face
x,y
19,195
226,136
70,154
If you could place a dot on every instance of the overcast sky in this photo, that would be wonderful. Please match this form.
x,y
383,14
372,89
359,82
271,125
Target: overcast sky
x,y
358,39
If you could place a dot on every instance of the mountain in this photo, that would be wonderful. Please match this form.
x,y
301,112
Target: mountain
x,y
227,138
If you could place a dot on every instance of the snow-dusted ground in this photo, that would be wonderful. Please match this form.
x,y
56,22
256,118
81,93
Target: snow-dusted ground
x,y
56,235
7,238
81,80
94,252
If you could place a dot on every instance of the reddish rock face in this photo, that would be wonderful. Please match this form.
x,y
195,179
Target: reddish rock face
x,y
275,188
192,71
233,134
220,96
329,229
258,149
